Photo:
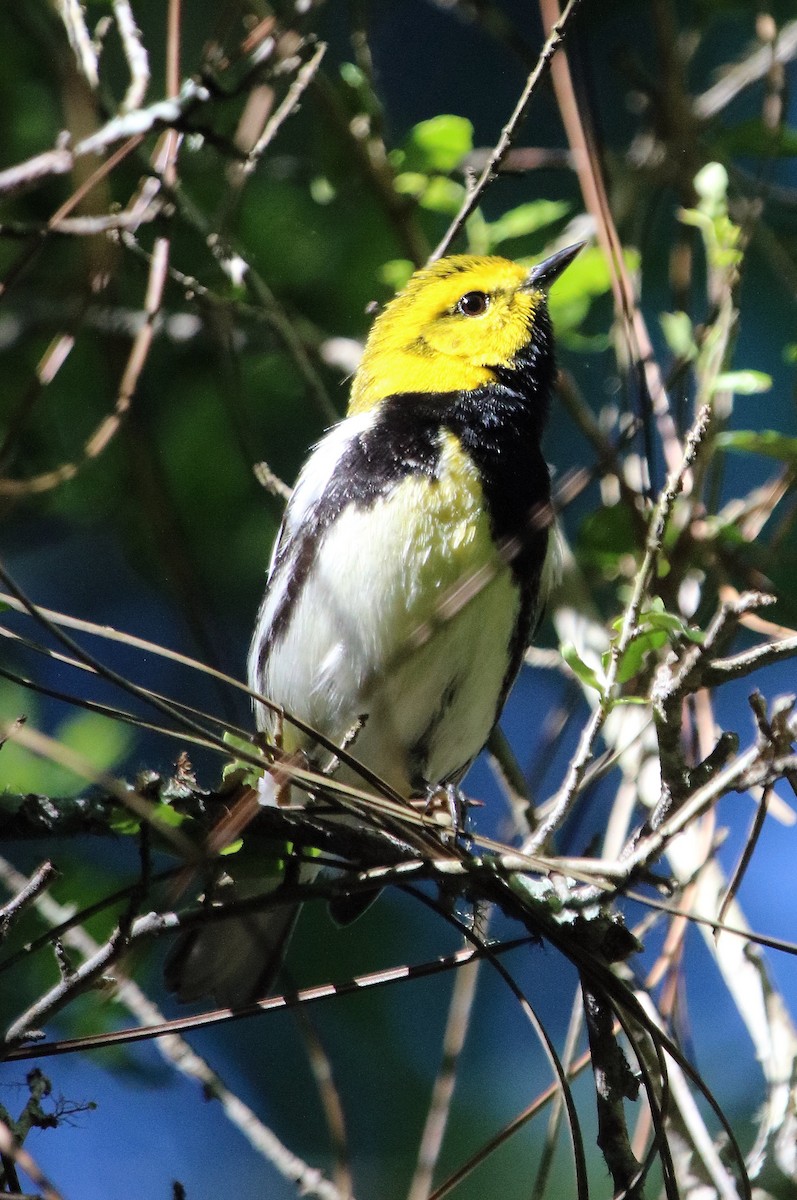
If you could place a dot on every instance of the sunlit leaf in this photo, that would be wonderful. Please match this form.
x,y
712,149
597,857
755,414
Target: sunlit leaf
x,y
580,669
744,383
587,278
102,742
633,659
760,441
605,537
679,334
395,272
754,138
439,144
442,195
526,219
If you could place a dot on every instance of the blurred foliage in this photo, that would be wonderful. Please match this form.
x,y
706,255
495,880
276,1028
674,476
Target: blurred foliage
x,y
273,277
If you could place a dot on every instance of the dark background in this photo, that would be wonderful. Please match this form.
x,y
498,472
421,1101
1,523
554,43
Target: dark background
x,y
167,535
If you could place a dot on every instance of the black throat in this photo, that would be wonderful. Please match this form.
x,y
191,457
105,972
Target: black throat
x,y
500,426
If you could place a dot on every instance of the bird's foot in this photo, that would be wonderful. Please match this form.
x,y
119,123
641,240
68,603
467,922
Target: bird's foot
x,y
447,805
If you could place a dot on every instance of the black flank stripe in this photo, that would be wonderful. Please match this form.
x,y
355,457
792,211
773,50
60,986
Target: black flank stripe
x,y
499,426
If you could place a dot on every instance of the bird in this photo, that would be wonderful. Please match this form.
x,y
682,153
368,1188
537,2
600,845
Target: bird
x,y
434,477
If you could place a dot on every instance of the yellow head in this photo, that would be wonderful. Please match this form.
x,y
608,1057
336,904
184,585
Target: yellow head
x,y
454,325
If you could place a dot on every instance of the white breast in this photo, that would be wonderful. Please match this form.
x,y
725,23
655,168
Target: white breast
x,y
366,638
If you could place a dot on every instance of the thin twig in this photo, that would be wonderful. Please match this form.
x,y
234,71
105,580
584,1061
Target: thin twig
x,y
30,890
155,923
571,1064
108,427
303,79
58,752
750,843
71,13
331,1103
108,710
11,1149
79,226
135,53
161,114
747,770
101,172
395,804
720,670
586,748
509,132
184,1059
743,74
457,1025
596,200
268,479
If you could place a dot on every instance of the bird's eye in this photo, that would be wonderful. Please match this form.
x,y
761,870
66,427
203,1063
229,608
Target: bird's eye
x,y
473,304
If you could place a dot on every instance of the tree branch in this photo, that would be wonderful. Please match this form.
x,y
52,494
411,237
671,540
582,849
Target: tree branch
x,y
509,132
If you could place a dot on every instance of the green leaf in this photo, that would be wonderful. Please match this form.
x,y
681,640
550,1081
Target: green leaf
x,y
679,334
587,278
436,193
760,441
124,823
395,272
127,823
754,139
525,219
439,144
744,383
699,220
351,74
670,623
605,537
633,659
442,195
247,772
711,185
322,191
100,740
721,236
97,738
656,617
165,814
411,183
579,668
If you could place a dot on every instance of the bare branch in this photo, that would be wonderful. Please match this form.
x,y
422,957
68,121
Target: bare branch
x,y
71,13
459,1013
11,1149
184,1059
751,769
747,72
39,881
720,670
298,87
566,795
509,132
163,114
136,54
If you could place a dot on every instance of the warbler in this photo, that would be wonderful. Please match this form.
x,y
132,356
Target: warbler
x,y
433,484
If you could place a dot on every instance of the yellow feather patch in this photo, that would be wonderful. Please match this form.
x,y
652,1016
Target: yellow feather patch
x,y
447,534
422,341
